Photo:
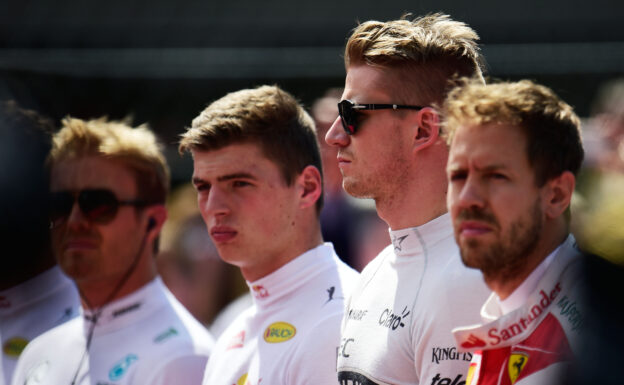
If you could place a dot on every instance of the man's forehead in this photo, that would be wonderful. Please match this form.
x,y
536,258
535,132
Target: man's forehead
x,y
487,144
365,82
243,158
92,172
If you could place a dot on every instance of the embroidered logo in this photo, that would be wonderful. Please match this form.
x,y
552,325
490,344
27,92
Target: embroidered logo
x,y
260,291
517,362
13,347
330,292
392,321
279,332
471,372
121,367
68,313
237,341
473,342
165,335
242,380
397,242
536,312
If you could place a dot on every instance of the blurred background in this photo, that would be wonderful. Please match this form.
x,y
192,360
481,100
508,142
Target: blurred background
x,y
161,62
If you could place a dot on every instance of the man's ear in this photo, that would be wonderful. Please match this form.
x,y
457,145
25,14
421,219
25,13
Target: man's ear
x,y
558,194
309,186
428,132
156,217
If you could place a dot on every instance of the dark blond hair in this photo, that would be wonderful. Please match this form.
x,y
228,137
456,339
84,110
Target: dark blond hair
x,y
551,127
266,116
137,148
428,52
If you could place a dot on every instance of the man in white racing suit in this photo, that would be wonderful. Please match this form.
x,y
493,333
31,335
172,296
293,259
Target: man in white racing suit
x,y
514,156
31,308
108,185
35,296
257,171
397,329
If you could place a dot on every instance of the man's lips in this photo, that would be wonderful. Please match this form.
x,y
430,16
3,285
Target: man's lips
x,y
221,234
342,161
473,228
73,244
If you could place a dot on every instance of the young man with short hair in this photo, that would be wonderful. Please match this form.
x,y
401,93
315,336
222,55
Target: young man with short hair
x,y
397,329
257,171
515,152
108,188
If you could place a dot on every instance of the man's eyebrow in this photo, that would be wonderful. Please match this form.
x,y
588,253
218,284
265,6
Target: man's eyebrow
x,y
491,167
238,175
223,178
198,180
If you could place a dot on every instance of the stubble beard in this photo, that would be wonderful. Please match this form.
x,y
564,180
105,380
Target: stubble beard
x,y
505,258
380,184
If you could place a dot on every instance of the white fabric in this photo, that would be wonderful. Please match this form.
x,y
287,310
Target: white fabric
x,y
229,313
147,337
519,296
290,334
397,329
31,308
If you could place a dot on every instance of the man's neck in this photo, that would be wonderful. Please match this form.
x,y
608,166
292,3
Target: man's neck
x,y
300,244
412,205
95,294
505,286
399,217
419,198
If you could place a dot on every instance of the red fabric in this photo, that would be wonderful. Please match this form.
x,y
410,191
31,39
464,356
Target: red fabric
x,y
547,345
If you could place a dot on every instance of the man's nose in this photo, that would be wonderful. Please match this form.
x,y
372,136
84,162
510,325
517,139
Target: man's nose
x,y
336,135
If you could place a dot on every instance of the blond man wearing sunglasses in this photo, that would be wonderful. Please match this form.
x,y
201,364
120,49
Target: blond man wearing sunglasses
x,y
397,328
109,183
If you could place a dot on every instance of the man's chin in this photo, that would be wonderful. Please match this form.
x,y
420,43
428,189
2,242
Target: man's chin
x,y
355,189
472,256
229,255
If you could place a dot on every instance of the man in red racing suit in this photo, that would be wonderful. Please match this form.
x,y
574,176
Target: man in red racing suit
x,y
515,152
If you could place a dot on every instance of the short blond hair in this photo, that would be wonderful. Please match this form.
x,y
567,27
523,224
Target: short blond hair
x,y
551,127
138,148
428,53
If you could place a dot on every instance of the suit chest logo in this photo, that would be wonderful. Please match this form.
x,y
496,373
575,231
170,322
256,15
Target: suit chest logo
x,y
517,362
121,367
13,347
279,332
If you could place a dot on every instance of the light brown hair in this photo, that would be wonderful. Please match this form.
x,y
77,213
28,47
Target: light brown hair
x,y
427,52
267,116
551,127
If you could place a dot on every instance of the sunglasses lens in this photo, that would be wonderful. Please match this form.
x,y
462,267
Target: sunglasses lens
x,y
98,205
347,116
60,205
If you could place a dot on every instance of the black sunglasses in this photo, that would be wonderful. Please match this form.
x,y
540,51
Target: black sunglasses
x,y
97,205
348,112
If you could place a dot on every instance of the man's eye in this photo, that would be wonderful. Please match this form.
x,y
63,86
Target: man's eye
x,y
202,187
496,175
240,183
457,176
